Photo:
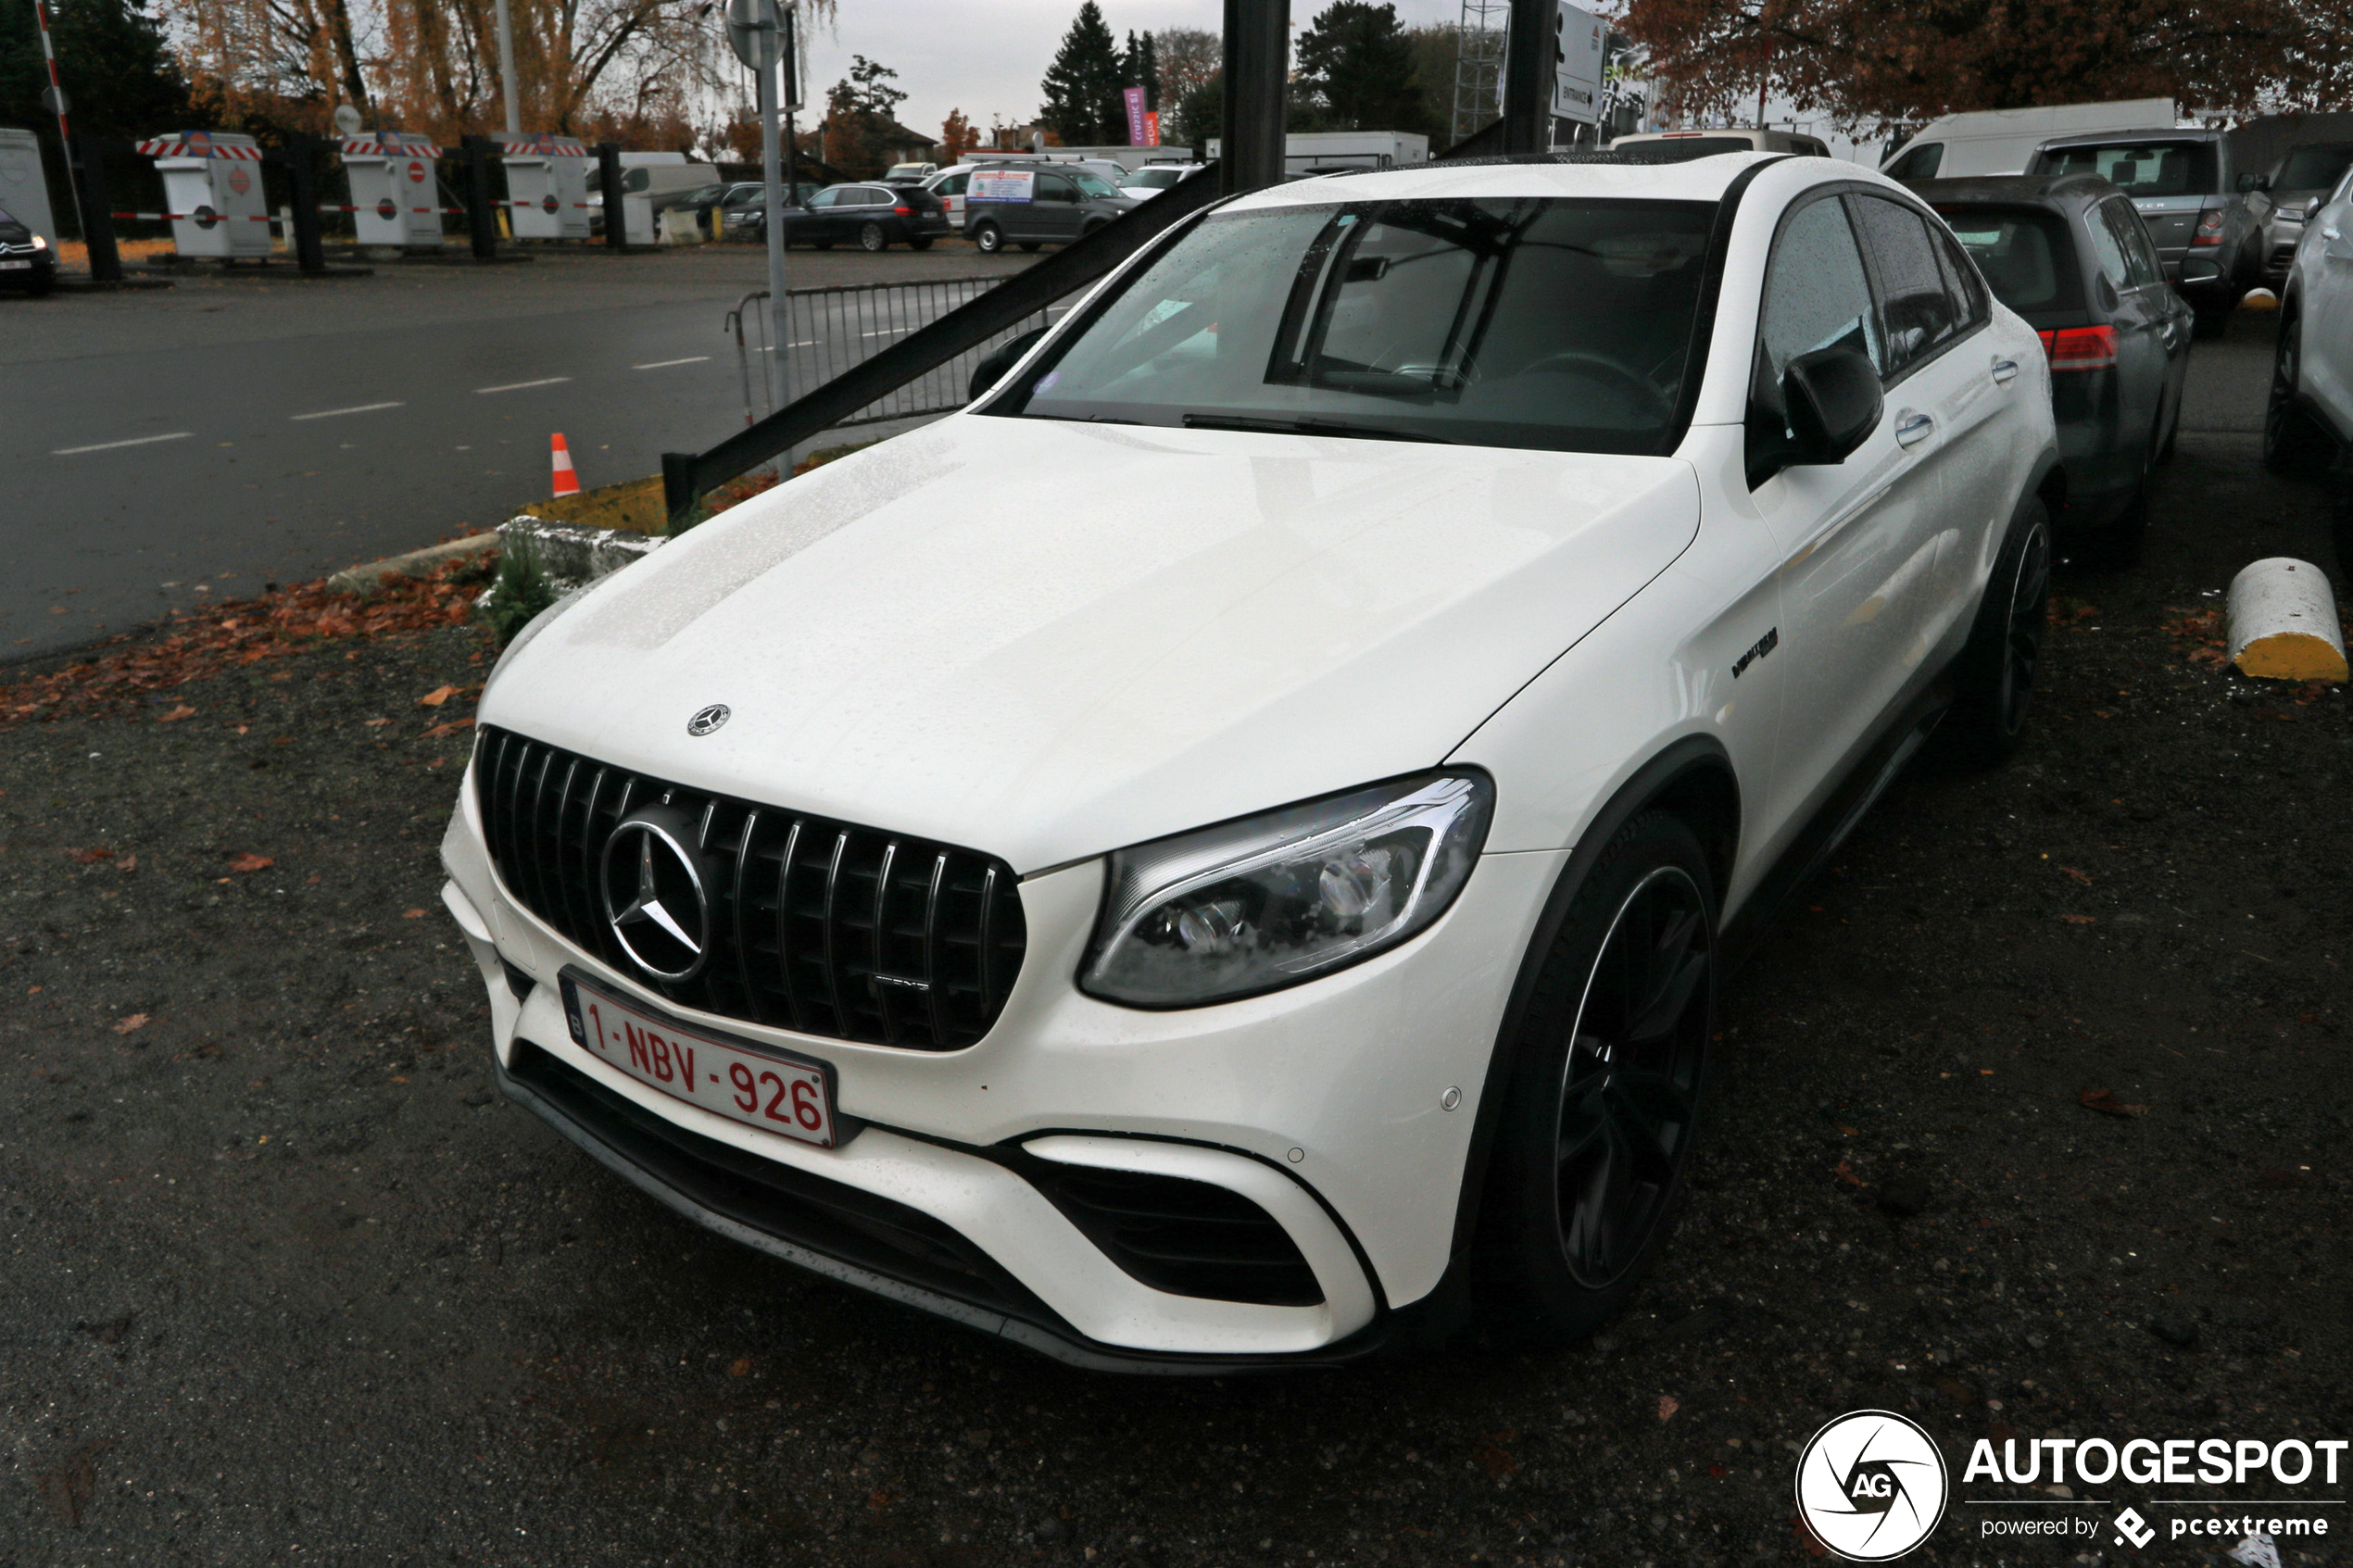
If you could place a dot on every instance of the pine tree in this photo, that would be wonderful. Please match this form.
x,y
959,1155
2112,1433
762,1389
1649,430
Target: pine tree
x,y
113,59
1082,86
1358,64
1140,67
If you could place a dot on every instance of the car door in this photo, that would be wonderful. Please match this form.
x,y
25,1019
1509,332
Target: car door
x,y
2324,308
1953,396
1857,538
807,225
2144,322
1053,209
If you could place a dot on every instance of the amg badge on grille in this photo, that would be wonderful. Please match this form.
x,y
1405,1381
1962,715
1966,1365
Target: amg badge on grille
x,y
708,720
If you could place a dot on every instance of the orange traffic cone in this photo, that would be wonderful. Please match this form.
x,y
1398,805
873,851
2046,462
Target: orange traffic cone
x,y
567,482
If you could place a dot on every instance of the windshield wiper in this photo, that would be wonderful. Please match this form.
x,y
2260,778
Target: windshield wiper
x,y
1307,425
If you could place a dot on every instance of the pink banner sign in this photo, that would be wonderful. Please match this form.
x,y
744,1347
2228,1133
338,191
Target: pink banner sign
x,y
1136,129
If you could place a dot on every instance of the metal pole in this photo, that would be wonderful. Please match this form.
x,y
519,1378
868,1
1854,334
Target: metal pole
x,y
609,184
58,100
771,170
310,255
1257,61
1528,76
97,214
506,70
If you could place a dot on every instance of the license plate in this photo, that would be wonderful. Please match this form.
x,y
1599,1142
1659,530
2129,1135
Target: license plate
x,y
16,266
746,1082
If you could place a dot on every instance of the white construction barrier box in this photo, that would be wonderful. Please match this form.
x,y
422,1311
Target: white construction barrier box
x,y
395,198
24,188
212,192
546,186
2282,622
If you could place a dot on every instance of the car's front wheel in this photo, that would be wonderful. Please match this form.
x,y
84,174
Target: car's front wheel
x,y
2293,445
988,238
1607,1073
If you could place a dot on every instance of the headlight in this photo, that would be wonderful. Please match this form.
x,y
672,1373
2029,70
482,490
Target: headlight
x,y
1271,900
41,242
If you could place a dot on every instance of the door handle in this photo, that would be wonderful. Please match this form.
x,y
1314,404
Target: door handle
x,y
2005,371
1911,428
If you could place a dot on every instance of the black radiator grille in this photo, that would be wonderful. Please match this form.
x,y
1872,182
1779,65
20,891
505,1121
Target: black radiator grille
x,y
816,925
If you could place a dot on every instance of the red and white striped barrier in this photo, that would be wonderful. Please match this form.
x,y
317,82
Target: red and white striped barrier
x,y
387,144
204,216
199,143
541,147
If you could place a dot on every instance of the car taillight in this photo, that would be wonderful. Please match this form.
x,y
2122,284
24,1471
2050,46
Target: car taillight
x,y
903,211
2209,228
2079,348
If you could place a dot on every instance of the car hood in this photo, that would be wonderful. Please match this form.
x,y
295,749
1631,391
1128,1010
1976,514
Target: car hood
x,y
1045,640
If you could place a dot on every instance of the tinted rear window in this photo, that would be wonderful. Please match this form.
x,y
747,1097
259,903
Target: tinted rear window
x,y
2140,169
2027,257
2313,169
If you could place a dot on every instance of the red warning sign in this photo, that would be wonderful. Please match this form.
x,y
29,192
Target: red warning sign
x,y
239,180
417,173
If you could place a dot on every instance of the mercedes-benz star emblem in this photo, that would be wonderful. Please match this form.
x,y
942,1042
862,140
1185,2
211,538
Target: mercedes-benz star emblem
x,y
654,894
709,719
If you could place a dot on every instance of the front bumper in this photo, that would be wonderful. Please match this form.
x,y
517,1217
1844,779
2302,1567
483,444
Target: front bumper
x,y
1321,1106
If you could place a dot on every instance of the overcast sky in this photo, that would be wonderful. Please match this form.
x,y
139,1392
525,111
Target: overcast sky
x,y
988,57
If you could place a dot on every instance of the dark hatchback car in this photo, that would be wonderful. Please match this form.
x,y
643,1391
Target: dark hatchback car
x,y
2071,255
26,261
871,216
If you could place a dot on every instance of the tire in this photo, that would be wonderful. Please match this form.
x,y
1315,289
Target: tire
x,y
1031,245
919,241
988,238
1997,668
872,240
2294,446
821,244
1607,1075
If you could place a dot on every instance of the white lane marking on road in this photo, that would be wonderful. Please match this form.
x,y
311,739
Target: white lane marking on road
x,y
357,408
110,445
519,386
665,364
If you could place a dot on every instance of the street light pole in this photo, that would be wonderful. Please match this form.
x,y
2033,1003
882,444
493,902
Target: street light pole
x,y
771,170
506,70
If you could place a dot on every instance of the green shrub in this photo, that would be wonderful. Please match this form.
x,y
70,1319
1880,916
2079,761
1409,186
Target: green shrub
x,y
519,592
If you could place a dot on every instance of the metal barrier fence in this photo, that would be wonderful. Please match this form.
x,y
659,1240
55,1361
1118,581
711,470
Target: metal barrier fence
x,y
828,331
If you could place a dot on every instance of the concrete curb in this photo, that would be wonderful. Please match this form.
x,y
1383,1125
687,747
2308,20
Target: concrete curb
x,y
568,555
416,563
2281,622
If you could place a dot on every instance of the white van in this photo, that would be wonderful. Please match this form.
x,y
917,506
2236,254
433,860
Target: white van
x,y
2002,141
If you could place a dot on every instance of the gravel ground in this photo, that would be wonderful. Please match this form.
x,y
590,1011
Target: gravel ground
x,y
284,1281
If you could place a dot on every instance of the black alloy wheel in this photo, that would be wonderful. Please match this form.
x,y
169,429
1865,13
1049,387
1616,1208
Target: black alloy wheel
x,y
988,238
1998,669
1611,1064
2293,445
872,240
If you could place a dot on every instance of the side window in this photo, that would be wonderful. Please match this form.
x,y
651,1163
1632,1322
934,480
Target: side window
x,y
1054,188
2133,238
1916,315
2107,249
825,198
1816,294
953,185
1963,282
1918,163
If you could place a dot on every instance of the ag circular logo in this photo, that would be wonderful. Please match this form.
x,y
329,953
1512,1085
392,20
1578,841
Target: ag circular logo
x,y
1871,1486
709,719
655,894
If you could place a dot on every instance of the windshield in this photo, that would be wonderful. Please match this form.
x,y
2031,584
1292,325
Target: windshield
x,y
1501,321
2141,168
2313,169
1094,184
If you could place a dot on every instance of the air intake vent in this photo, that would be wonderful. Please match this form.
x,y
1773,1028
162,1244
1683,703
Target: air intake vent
x,y
1187,1238
814,925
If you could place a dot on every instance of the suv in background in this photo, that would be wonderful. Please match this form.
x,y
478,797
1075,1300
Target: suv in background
x,y
2309,418
2297,184
1153,178
869,216
2208,225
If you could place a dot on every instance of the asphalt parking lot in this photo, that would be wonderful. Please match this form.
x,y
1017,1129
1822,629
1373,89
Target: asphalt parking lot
x,y
2030,1120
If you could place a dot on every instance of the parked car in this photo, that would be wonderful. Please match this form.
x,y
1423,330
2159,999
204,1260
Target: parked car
x,y
749,219
1153,178
2208,222
2073,258
872,217
26,261
1257,869
1030,206
1675,146
2297,184
909,173
1959,146
2308,418
727,199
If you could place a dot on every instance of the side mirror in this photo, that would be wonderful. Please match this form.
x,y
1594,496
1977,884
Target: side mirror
x,y
1833,395
992,368
2254,182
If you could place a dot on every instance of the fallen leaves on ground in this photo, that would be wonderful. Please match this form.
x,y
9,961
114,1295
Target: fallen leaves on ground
x,y
130,668
246,860
183,711
2106,1104
90,856
137,1022
2081,920
437,697
413,915
1667,1405
451,728
2084,877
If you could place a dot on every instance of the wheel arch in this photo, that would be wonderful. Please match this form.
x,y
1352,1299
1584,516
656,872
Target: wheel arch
x,y
1693,778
